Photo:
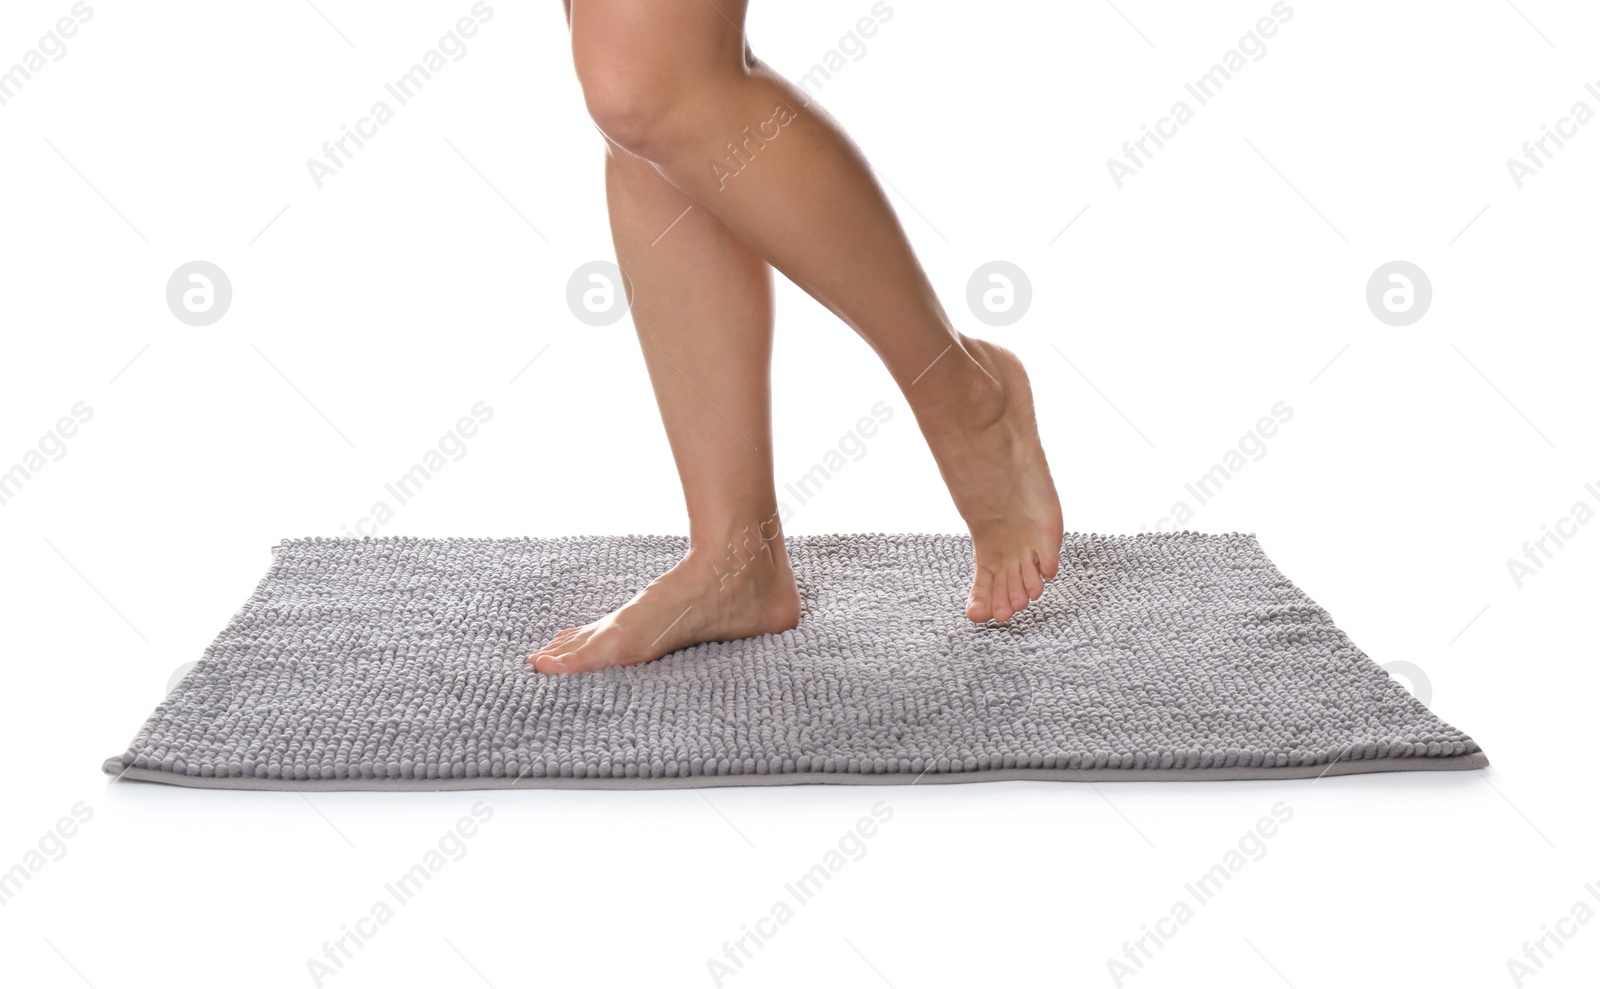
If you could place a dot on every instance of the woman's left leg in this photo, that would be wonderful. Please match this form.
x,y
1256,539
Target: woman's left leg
x,y
702,308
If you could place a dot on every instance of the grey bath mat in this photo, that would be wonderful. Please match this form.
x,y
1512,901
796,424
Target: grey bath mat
x,y
398,664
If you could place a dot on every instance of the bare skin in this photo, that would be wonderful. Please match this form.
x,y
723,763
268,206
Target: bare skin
x,y
717,172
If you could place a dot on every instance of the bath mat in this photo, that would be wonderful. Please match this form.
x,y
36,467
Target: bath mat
x,y
397,663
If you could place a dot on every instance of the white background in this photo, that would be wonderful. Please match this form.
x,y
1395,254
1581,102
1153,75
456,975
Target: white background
x,y
370,315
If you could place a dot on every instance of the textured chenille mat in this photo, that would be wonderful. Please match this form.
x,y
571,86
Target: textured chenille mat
x,y
398,663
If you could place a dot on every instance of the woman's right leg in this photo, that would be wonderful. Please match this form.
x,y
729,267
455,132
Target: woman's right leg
x,y
674,82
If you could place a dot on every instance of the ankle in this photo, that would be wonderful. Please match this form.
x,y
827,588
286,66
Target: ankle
x,y
960,391
749,547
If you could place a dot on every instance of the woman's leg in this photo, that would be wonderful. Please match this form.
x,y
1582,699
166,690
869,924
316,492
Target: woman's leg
x,y
702,307
674,82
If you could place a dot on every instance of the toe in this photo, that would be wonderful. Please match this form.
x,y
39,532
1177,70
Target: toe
x,y
601,648
1015,592
978,606
1050,560
558,655
560,638
1000,599
547,663
569,659
1031,581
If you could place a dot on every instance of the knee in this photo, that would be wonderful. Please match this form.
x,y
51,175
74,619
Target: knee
x,y
627,109
651,111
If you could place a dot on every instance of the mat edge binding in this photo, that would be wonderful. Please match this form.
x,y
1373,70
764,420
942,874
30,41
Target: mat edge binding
x,y
114,767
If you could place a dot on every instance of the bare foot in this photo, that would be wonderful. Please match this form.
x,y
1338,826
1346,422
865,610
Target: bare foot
x,y
710,596
986,443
